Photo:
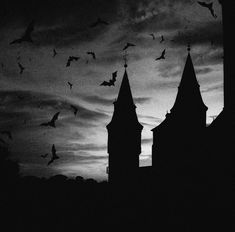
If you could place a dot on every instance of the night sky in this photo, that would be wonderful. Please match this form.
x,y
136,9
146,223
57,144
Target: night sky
x,y
33,97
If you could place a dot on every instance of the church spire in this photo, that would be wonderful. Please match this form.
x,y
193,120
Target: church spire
x,y
125,95
124,106
189,89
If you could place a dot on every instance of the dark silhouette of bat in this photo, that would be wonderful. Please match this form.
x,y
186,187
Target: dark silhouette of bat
x,y
21,67
44,156
162,56
111,81
162,39
18,58
128,45
71,58
26,37
99,21
75,109
54,155
52,122
209,6
2,65
8,133
152,35
70,85
54,52
92,54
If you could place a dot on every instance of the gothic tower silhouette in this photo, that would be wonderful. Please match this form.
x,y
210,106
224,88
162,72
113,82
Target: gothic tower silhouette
x,y
179,134
124,137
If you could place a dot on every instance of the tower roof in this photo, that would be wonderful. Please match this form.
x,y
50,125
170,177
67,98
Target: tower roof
x,y
124,107
125,95
189,89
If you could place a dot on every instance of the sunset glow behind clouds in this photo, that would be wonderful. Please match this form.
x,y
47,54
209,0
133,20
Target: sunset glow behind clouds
x,y
32,98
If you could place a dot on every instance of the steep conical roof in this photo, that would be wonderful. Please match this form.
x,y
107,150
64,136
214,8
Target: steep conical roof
x,y
188,90
125,95
124,107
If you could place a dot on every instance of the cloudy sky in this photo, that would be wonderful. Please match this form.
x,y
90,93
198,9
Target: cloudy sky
x,y
33,97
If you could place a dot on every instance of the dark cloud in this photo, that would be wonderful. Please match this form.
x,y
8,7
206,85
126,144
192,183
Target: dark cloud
x,y
24,103
86,147
94,99
201,71
170,69
61,23
209,33
216,87
150,118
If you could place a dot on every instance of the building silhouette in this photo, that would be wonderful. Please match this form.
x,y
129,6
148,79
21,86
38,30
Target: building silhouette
x,y
182,128
191,161
179,134
124,137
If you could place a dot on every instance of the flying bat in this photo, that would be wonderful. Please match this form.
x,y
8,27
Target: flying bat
x,y
26,37
209,6
75,109
152,35
54,155
54,52
128,45
52,122
99,21
111,81
71,58
162,39
70,85
162,55
44,156
7,133
21,67
93,54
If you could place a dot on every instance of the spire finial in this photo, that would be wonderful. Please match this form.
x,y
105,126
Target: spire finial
x,y
189,47
125,59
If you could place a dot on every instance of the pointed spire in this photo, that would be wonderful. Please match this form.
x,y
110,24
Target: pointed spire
x,y
125,95
189,76
124,107
189,91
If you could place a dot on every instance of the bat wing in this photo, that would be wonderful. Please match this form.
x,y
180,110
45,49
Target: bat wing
x,y
202,4
125,47
16,41
55,117
114,75
131,44
164,52
45,124
29,29
105,83
68,63
50,161
53,150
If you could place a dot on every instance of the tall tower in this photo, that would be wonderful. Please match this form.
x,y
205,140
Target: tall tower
x,y
124,137
179,134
